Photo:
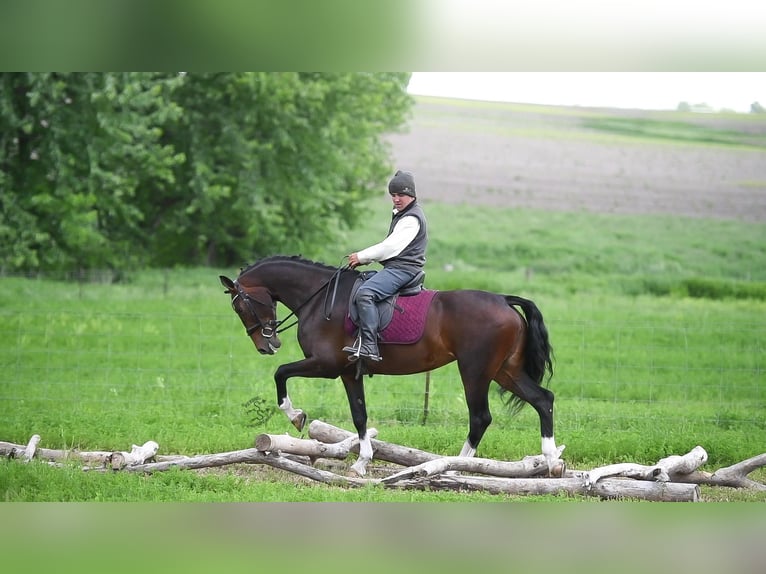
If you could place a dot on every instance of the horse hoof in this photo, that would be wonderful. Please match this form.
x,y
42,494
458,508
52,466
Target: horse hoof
x,y
558,469
299,421
359,467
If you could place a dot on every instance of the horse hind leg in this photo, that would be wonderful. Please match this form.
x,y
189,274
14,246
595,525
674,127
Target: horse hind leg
x,y
355,392
476,389
541,399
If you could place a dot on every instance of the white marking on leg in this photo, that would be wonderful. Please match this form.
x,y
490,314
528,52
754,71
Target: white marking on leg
x,y
549,447
287,408
365,447
467,450
365,455
551,452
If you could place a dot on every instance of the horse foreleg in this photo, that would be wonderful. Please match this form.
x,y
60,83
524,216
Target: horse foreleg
x,y
467,450
355,392
304,368
295,416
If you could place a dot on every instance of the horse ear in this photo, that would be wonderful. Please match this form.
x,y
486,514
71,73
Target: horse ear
x,y
228,283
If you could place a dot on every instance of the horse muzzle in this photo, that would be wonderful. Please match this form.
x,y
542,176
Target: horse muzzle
x,y
267,346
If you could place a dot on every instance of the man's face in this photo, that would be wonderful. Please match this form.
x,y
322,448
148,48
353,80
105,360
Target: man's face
x,y
401,200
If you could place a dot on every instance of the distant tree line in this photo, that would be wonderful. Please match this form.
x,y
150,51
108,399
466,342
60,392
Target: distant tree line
x,y
755,107
122,170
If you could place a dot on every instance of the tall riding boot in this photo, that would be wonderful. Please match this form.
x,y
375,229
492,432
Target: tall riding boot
x,y
368,328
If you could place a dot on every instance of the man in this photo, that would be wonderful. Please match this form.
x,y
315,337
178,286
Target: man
x,y
402,254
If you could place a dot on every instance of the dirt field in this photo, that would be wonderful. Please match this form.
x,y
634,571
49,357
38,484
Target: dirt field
x,y
542,157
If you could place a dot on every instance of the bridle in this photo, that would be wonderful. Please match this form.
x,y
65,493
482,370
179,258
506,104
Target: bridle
x,y
268,328
272,327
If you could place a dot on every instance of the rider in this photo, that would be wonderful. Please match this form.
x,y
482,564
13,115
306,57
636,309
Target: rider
x,y
402,254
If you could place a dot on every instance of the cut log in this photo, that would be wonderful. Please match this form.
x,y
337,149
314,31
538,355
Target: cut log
x,y
607,488
674,465
249,456
683,464
13,450
673,478
528,467
29,451
309,447
407,456
734,476
137,455
395,453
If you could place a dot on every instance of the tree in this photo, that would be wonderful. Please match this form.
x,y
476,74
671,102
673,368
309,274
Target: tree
x,y
75,148
276,162
125,169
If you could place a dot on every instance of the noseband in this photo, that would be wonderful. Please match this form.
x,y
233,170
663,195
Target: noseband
x,y
269,327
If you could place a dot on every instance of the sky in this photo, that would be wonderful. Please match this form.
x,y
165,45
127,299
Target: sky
x,y
641,90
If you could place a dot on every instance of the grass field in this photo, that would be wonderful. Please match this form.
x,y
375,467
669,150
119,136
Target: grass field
x,y
657,322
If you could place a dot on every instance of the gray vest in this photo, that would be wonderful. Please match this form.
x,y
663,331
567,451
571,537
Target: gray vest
x,y
414,255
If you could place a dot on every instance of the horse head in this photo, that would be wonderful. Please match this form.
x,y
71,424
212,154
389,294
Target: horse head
x,y
258,312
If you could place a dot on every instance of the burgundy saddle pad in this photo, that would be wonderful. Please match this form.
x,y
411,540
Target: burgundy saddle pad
x,y
408,321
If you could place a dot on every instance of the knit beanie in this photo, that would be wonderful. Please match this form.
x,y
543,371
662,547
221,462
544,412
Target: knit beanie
x,y
403,182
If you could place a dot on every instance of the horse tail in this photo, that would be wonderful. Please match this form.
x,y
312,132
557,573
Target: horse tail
x,y
538,353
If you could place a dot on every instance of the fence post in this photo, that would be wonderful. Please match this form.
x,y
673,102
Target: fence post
x,y
425,399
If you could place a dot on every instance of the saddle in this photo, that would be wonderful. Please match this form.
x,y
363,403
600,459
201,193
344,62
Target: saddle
x,y
412,300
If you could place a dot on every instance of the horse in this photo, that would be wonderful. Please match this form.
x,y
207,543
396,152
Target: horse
x,y
484,332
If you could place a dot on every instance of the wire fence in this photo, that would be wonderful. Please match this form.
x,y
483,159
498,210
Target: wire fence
x,y
609,375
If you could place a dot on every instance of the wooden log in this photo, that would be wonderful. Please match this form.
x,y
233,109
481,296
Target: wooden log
x,y
407,456
662,471
528,467
683,464
249,456
13,450
389,452
137,455
607,488
308,447
29,451
734,476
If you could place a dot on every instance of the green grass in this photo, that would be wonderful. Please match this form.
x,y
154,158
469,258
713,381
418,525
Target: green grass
x,y
657,324
561,253
659,345
675,131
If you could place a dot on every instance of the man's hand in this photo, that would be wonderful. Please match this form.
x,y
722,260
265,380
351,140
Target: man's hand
x,y
353,260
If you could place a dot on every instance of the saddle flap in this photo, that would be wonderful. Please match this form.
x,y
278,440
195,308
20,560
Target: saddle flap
x,y
385,307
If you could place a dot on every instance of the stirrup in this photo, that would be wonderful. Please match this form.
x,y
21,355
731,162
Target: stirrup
x,y
355,353
354,350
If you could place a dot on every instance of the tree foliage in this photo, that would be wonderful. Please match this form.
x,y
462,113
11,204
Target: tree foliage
x,y
127,169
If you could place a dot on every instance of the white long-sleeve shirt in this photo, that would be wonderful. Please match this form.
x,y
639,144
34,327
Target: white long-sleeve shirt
x,y
404,232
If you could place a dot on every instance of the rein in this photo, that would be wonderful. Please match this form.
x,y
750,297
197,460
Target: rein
x,y
276,326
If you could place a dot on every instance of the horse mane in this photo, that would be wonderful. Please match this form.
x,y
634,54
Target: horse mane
x,y
289,258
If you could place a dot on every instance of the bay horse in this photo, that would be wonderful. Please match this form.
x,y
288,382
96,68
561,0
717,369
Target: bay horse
x,y
484,332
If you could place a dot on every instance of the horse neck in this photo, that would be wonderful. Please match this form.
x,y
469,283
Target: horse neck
x,y
293,284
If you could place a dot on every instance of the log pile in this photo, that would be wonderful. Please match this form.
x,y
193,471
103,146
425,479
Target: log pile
x,y
674,478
